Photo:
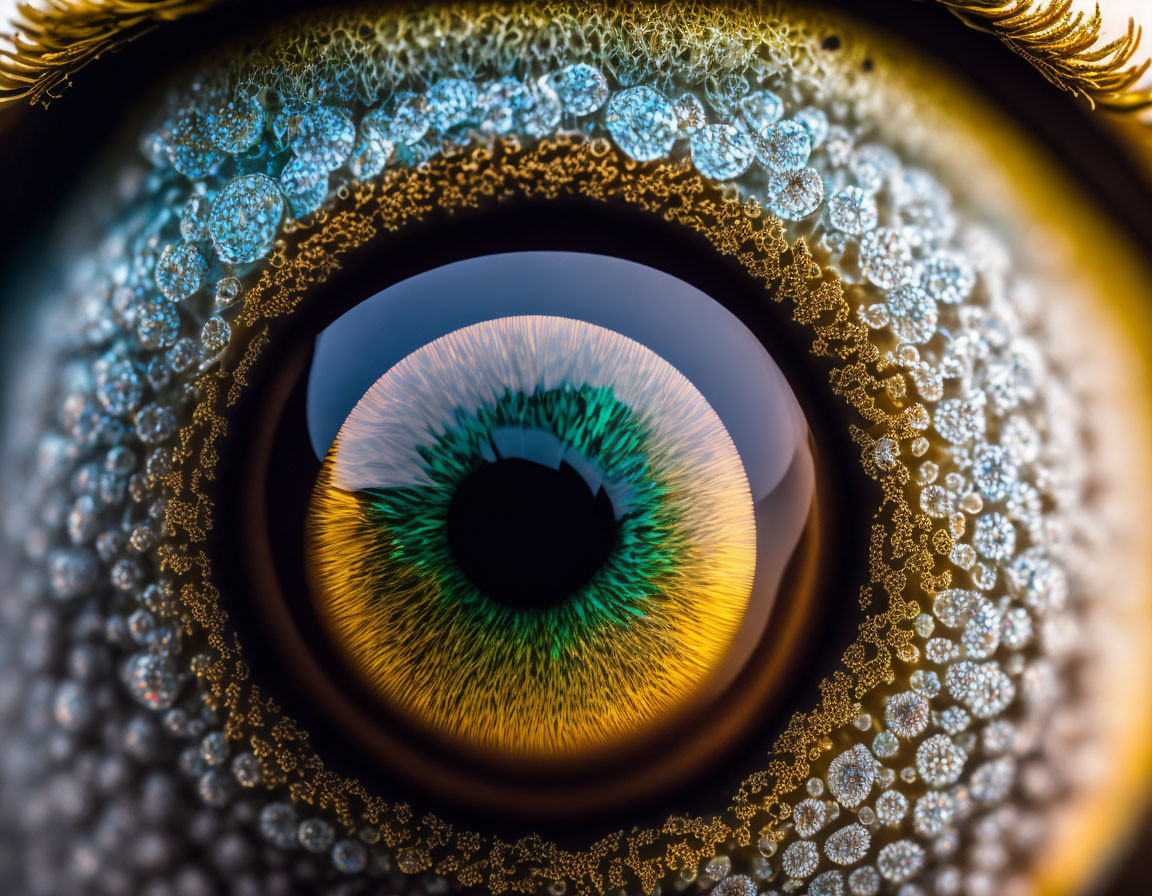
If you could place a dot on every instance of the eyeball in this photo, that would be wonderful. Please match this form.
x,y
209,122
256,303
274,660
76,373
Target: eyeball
x,y
556,448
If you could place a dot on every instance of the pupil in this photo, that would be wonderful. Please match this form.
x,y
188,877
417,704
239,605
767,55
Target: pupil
x,y
528,535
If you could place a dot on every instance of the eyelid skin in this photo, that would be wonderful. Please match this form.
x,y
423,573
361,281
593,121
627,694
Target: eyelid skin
x,y
994,292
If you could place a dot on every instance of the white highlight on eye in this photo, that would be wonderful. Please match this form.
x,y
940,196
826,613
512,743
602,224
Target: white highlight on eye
x,y
465,369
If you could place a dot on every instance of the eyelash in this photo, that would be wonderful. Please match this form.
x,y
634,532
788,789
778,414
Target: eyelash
x,y
913,398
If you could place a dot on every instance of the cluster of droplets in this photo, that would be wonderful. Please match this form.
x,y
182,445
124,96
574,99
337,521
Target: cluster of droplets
x,y
945,788
931,771
260,160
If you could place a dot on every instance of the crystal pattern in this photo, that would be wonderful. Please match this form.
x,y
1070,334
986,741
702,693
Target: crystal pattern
x,y
245,218
934,287
643,123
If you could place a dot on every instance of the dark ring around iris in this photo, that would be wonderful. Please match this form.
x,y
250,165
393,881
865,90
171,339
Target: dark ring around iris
x,y
692,765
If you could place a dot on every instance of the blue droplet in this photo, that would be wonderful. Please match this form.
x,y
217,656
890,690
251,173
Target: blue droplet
x,y
761,109
814,121
189,148
501,102
237,125
450,102
305,186
582,89
852,210
409,118
370,154
721,152
324,137
796,194
785,146
643,123
181,271
245,218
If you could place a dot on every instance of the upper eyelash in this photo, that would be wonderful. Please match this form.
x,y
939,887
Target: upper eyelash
x,y
53,41
1066,48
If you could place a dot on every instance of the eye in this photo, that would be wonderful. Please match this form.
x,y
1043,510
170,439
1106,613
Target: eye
x,y
554,449
605,451
587,524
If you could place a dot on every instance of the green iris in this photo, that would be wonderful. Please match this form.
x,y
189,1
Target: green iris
x,y
412,533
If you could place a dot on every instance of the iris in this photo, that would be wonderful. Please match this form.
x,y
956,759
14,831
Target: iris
x,y
555,659
551,518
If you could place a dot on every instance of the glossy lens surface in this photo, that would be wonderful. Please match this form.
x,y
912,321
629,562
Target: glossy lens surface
x,y
550,504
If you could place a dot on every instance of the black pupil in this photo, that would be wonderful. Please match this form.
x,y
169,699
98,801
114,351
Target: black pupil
x,y
528,535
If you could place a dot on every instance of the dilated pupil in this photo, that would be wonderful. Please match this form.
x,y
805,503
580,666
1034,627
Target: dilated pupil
x,y
528,535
